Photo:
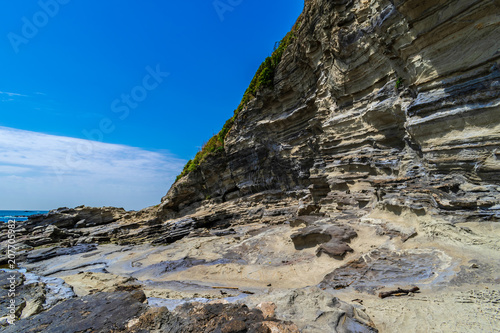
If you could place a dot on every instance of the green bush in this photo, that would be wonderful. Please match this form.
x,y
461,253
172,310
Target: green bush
x,y
262,79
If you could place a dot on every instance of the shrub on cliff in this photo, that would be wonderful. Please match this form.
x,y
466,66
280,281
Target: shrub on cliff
x,y
263,78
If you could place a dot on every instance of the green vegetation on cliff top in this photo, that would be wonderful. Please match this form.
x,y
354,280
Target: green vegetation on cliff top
x,y
263,78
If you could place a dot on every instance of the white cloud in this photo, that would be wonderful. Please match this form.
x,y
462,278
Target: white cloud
x,y
10,94
40,171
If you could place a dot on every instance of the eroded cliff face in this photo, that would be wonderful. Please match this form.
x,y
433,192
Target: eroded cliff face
x,y
376,105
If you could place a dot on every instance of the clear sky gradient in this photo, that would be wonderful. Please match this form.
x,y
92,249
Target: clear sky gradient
x,y
150,80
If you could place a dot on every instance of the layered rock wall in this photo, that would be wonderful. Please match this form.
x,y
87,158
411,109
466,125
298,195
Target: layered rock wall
x,y
388,104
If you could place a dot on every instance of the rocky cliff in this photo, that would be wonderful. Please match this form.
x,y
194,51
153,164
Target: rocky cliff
x,y
367,168
376,104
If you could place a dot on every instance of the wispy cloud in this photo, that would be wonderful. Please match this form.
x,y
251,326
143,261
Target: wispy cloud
x,y
11,94
46,171
6,96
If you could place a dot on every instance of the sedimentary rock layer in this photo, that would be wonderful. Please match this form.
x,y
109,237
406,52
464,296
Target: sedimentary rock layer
x,y
375,103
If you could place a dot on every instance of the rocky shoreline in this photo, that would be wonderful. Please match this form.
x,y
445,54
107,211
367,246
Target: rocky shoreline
x,y
318,274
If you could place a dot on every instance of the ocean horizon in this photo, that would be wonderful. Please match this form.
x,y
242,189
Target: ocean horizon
x,y
19,215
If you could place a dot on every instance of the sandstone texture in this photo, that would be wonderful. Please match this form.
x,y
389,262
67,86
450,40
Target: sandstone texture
x,y
376,104
371,164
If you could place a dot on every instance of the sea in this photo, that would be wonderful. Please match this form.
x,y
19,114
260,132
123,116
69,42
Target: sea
x,y
18,215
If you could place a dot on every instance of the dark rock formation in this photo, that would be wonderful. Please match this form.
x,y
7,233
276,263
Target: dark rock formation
x,y
333,239
103,312
310,237
196,317
51,252
79,217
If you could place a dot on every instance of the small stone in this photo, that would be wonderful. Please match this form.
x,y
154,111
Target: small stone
x,y
133,322
268,309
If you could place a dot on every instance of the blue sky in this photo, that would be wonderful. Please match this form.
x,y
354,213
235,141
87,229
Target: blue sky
x,y
150,80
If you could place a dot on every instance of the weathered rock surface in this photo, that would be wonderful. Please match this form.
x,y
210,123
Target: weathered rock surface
x,y
86,283
196,317
80,217
125,312
103,312
385,268
317,311
385,118
333,239
52,252
372,105
9,282
31,293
